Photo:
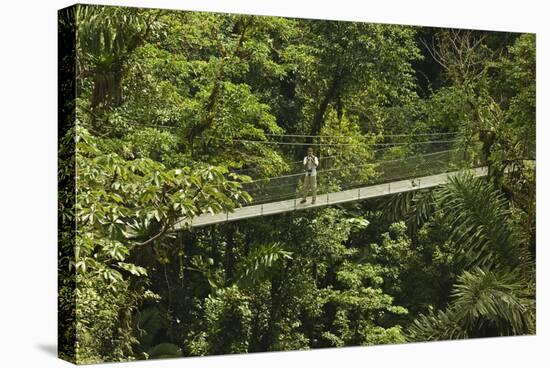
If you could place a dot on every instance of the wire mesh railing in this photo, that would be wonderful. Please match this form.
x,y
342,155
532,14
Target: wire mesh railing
x,y
330,198
330,154
338,174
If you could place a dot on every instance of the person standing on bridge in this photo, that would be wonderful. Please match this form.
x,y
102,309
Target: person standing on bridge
x,y
311,162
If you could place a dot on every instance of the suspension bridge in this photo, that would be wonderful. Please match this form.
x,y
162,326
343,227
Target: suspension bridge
x,y
342,178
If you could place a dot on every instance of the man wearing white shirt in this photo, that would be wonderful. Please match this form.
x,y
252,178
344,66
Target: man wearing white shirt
x,y
310,180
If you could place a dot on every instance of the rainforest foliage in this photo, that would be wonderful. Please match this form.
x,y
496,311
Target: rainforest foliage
x,y
171,106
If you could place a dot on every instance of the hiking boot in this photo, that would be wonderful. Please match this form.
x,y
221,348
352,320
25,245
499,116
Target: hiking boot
x,y
313,201
303,201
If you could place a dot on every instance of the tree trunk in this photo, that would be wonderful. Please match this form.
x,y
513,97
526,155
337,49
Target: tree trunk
x,y
229,256
339,110
272,334
319,117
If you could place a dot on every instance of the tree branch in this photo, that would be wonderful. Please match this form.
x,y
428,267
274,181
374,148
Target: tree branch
x,y
165,227
433,53
155,237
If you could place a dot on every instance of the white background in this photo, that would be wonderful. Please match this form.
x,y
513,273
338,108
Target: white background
x,y
28,183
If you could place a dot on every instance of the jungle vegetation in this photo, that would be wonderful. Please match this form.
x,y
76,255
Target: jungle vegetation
x,y
149,122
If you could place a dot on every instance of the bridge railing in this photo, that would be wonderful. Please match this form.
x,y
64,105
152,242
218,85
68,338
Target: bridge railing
x,y
336,176
330,198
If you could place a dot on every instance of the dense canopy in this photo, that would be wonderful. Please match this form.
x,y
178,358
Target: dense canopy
x,y
174,114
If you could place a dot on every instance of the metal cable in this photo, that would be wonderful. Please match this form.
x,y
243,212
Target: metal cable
x,y
336,144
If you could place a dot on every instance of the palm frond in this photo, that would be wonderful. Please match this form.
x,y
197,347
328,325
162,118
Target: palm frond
x,y
259,263
484,304
494,300
436,326
414,207
480,221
